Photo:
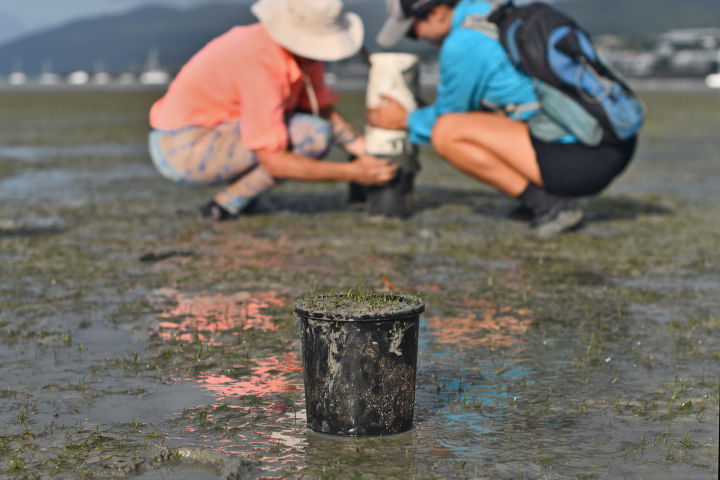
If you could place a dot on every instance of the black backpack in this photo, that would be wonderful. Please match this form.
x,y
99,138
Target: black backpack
x,y
552,48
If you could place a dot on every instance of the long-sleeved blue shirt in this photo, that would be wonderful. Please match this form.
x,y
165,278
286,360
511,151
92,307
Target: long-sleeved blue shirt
x,y
474,68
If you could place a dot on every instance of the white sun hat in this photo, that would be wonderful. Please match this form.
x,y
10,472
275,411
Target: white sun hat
x,y
314,29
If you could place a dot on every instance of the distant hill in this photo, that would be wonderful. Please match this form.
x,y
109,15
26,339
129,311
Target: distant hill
x,y
123,42
9,27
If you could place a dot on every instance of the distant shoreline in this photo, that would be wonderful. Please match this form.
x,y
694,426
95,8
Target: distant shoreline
x,y
358,84
670,85
658,84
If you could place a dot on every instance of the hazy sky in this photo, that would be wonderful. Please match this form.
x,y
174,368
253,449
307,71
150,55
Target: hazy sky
x,y
19,17
37,14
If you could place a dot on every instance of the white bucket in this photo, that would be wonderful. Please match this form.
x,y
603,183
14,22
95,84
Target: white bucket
x,y
395,75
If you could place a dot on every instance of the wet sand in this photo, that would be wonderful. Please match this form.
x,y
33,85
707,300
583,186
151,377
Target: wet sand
x,y
137,340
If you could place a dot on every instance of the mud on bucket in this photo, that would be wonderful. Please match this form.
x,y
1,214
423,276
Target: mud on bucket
x,y
359,361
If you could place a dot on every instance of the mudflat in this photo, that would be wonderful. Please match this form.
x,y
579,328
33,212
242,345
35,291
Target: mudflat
x,y
138,340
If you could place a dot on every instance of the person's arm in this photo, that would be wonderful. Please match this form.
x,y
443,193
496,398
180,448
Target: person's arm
x,y
465,70
264,132
345,135
365,169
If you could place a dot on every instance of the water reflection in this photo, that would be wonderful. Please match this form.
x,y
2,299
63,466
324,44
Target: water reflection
x,y
73,187
203,317
481,322
463,393
269,376
36,153
462,397
216,319
395,456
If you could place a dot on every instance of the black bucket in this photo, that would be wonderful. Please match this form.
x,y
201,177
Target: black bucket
x,y
357,193
359,363
395,198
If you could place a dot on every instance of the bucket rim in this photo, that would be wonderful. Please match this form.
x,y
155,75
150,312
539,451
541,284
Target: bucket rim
x,y
415,306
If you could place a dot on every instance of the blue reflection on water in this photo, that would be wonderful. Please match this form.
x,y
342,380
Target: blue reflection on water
x,y
466,402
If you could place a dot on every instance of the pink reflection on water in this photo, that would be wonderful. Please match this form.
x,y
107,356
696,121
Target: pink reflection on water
x,y
481,322
209,318
201,316
268,376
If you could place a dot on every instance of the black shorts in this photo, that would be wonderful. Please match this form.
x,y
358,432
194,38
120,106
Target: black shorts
x,y
573,169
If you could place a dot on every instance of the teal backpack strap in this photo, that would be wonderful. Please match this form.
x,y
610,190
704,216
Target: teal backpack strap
x,y
519,109
511,109
481,24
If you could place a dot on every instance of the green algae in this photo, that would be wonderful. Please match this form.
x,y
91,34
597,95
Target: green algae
x,y
620,348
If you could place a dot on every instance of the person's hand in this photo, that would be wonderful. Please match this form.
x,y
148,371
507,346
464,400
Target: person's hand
x,y
390,115
369,170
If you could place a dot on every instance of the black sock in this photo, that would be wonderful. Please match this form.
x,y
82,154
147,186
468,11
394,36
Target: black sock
x,y
537,199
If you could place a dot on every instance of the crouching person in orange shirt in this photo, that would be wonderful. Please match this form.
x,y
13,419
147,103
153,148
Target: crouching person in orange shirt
x,y
233,115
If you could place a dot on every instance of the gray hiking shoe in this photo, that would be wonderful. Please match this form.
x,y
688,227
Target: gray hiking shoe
x,y
561,217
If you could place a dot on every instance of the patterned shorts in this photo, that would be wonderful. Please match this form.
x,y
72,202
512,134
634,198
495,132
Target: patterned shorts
x,y
216,155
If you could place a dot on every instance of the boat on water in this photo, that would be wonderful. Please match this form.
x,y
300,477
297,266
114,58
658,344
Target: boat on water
x,y
153,74
713,80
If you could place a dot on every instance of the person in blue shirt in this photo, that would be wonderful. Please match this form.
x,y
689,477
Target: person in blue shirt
x,y
478,121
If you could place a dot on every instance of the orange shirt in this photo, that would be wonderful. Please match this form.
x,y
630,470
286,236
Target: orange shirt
x,y
243,74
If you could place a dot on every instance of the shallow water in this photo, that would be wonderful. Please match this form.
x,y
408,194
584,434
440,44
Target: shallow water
x,y
138,341
32,153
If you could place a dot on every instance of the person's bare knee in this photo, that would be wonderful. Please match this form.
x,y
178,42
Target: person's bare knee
x,y
444,132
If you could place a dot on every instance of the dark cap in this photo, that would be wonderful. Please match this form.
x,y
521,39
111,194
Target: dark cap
x,y
401,15
418,8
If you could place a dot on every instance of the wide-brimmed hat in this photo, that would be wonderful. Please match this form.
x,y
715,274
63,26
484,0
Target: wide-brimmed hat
x,y
315,29
401,14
